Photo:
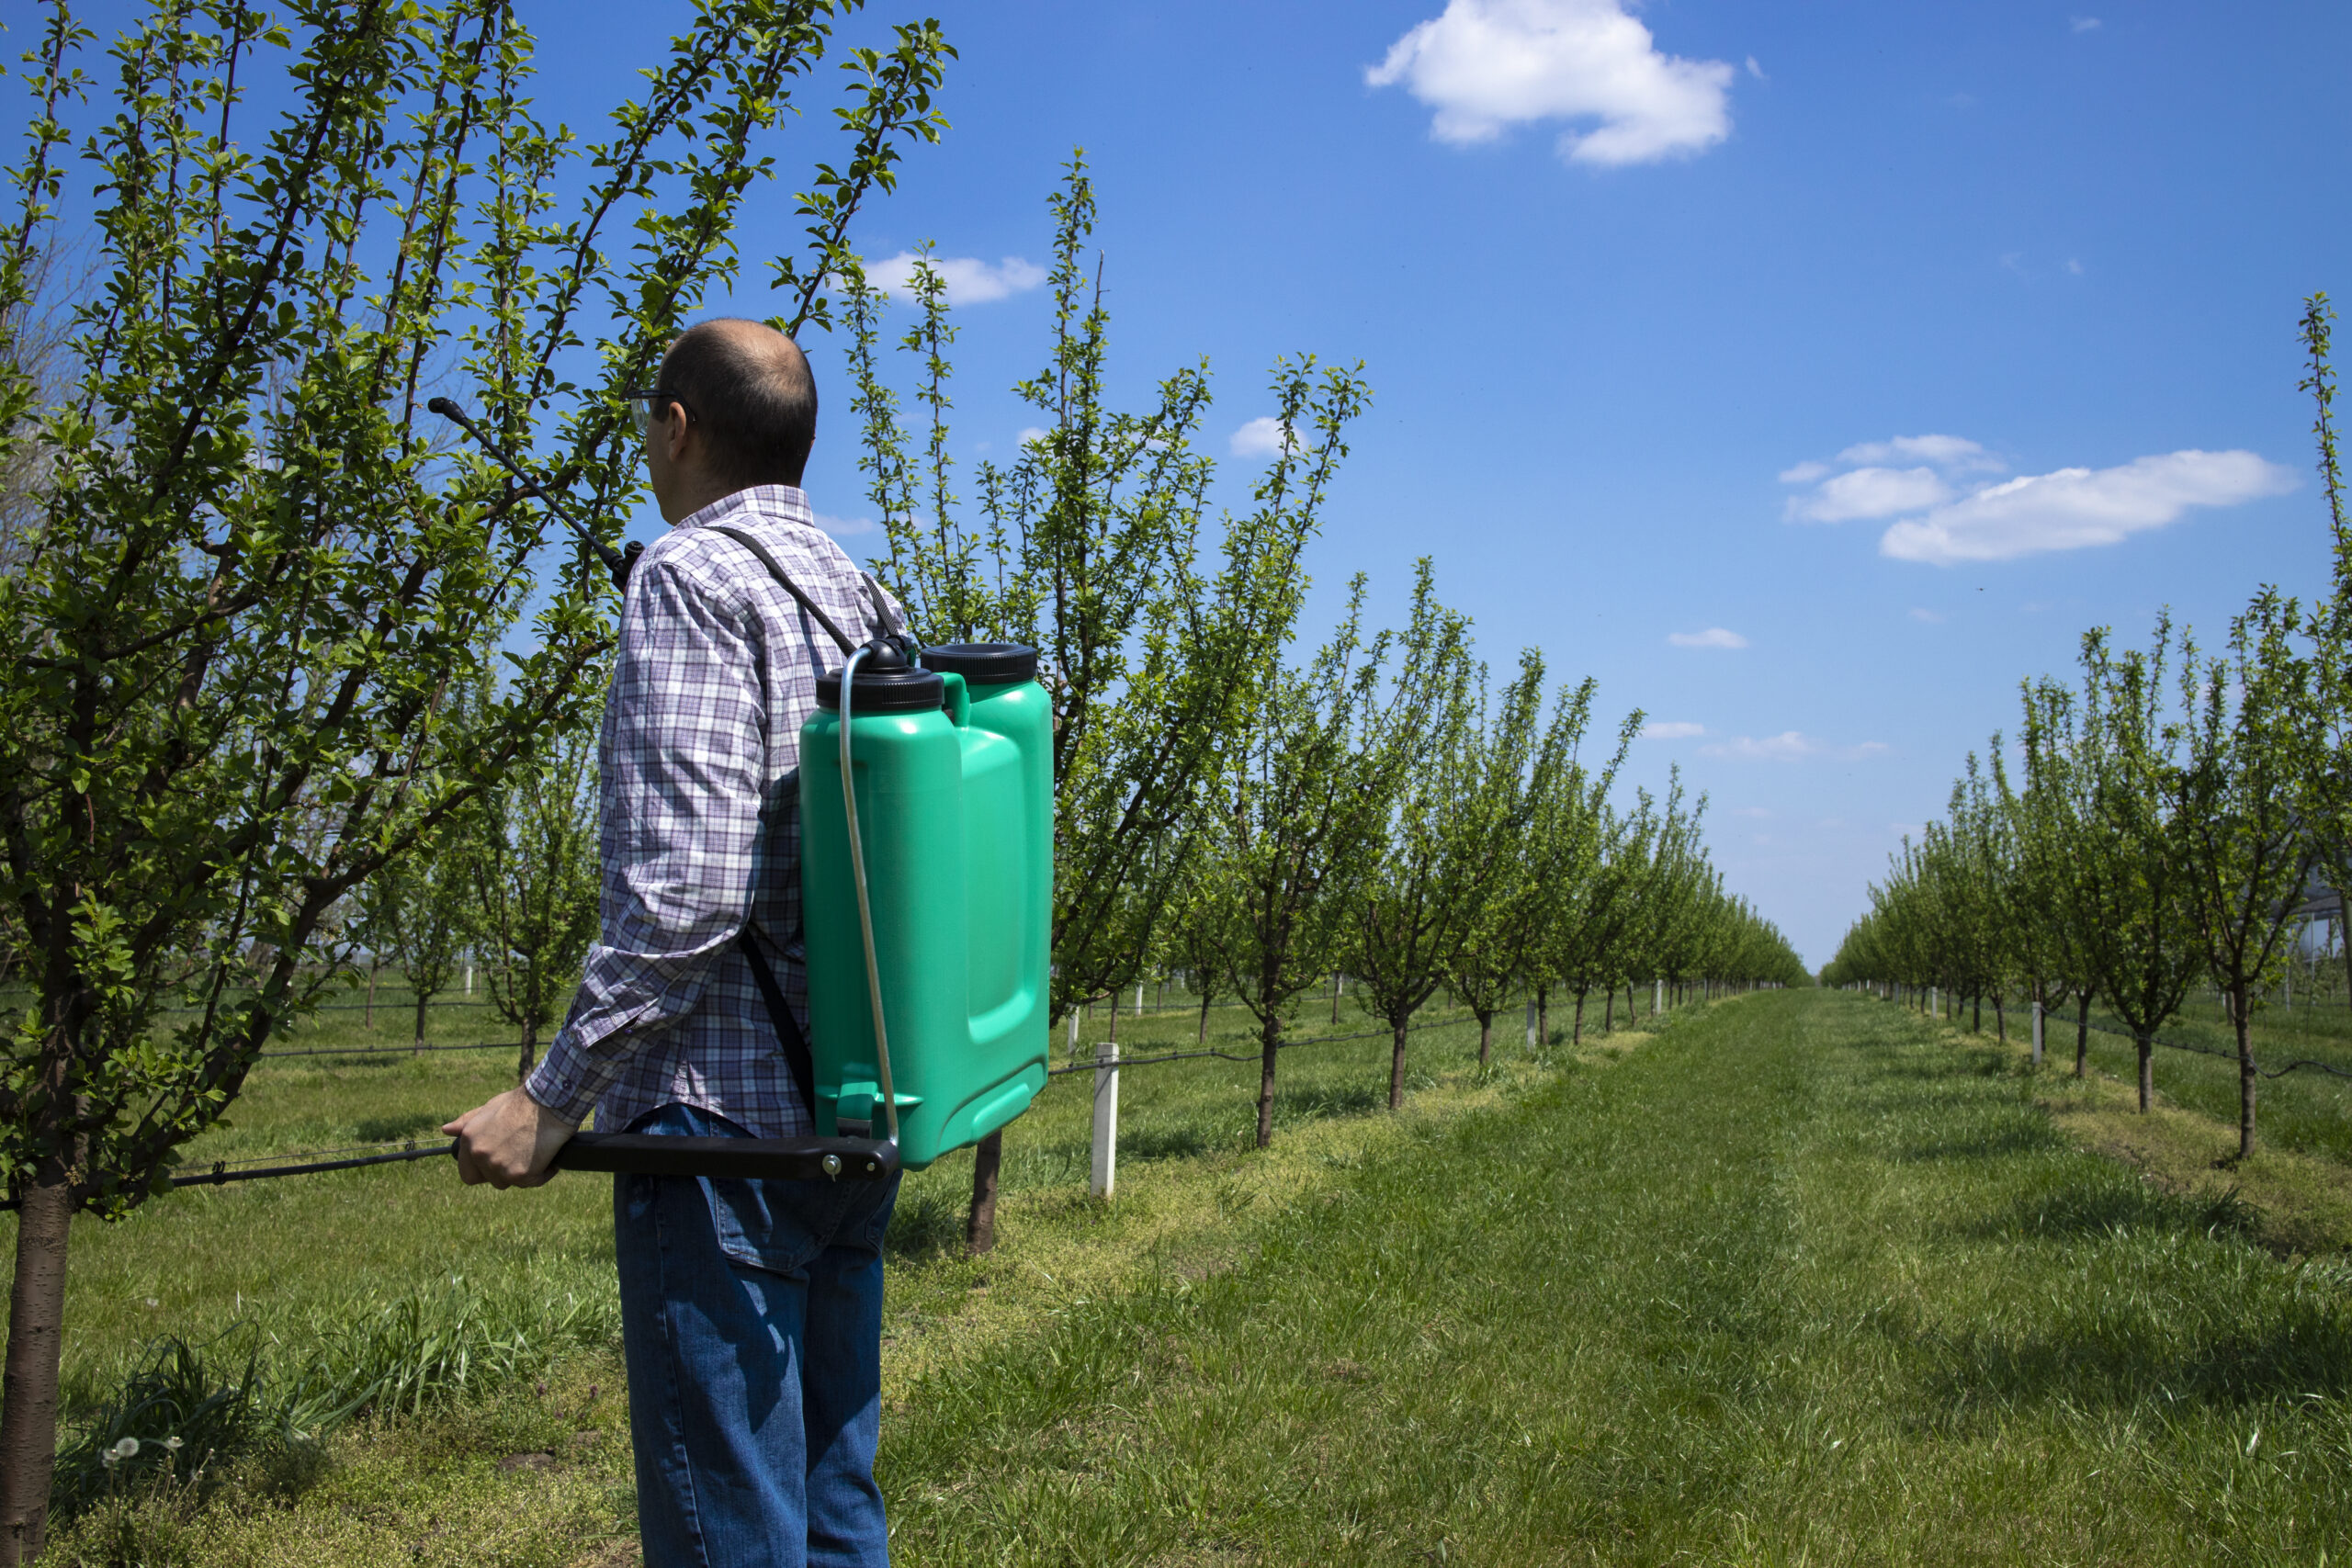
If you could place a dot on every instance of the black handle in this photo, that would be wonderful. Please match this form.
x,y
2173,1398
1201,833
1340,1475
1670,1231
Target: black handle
x,y
781,1160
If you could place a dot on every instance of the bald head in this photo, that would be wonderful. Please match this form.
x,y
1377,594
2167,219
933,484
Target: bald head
x,y
752,398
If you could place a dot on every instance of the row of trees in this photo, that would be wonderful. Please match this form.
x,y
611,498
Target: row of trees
x,y
2172,811
1383,807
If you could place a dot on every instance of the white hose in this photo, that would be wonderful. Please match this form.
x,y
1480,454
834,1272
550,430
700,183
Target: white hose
x,y
865,910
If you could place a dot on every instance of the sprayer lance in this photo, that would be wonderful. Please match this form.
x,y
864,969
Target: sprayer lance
x,y
617,563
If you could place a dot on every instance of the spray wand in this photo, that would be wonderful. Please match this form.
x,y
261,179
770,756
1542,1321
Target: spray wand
x,y
617,563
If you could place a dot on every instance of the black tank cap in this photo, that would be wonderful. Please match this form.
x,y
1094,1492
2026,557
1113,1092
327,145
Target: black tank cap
x,y
883,691
984,664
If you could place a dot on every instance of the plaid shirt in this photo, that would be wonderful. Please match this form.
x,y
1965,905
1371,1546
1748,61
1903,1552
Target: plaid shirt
x,y
701,822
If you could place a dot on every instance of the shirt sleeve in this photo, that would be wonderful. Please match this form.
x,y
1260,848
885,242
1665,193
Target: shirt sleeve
x,y
683,751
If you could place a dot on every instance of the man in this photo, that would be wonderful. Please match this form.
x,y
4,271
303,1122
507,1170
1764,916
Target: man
x,y
750,1310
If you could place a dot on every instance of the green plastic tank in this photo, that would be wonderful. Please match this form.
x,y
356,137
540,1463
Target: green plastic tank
x,y
953,766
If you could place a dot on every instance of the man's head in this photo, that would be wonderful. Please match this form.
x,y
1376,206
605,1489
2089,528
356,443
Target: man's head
x,y
738,408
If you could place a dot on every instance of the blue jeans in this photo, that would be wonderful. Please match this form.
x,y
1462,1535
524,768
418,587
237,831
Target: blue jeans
x,y
751,1324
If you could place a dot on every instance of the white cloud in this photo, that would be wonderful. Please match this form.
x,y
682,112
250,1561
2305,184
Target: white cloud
x,y
1757,70
1789,746
1869,492
1671,729
846,527
1029,432
2074,508
1485,65
1955,452
1785,747
2074,266
1754,811
1261,437
1803,473
1714,637
2083,23
970,280
1933,618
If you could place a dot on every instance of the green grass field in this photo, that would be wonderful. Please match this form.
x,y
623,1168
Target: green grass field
x,y
1797,1278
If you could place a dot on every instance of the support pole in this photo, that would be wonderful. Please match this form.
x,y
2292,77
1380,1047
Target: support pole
x,y
1107,1119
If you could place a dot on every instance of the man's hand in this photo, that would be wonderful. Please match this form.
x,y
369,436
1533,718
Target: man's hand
x,y
509,1141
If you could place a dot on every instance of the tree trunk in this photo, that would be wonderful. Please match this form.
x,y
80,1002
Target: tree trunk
x,y
979,1222
1485,1036
530,1050
1544,1017
1271,1040
1607,1009
1976,1013
422,999
1203,1038
1335,997
1576,1029
2083,1035
2000,1019
2147,1070
370,1020
1397,1069
1629,1004
2247,1082
36,1340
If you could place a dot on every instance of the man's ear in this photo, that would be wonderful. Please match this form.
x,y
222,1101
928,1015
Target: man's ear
x,y
676,431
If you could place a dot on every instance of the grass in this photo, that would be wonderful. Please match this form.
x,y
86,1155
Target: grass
x,y
1798,1278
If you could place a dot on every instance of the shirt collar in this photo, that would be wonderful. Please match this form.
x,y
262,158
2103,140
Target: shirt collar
x,y
787,503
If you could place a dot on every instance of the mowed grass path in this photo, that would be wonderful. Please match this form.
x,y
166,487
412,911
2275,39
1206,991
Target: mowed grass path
x,y
1799,1281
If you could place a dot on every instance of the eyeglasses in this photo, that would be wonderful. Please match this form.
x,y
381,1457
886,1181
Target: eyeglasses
x,y
642,401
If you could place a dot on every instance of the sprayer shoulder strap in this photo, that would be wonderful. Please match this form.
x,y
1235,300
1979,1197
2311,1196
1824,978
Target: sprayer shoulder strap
x,y
787,1032
775,569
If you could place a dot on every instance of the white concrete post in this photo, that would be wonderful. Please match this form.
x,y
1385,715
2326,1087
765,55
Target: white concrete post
x,y
1139,991
1531,1026
1657,997
469,982
1070,1017
2037,1035
1106,1118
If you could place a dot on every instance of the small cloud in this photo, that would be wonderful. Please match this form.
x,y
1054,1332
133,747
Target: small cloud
x,y
1714,637
1671,729
1785,747
1486,65
1962,100
1757,70
846,527
1933,618
1261,437
1908,829
1867,748
2013,261
2074,508
1943,451
1803,473
1869,492
1029,432
2083,23
1755,811
970,280
2074,266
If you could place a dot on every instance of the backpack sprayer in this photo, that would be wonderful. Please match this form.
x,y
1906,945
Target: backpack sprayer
x,y
950,750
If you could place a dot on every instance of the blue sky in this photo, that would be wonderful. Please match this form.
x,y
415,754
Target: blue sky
x,y
1808,374
1614,272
